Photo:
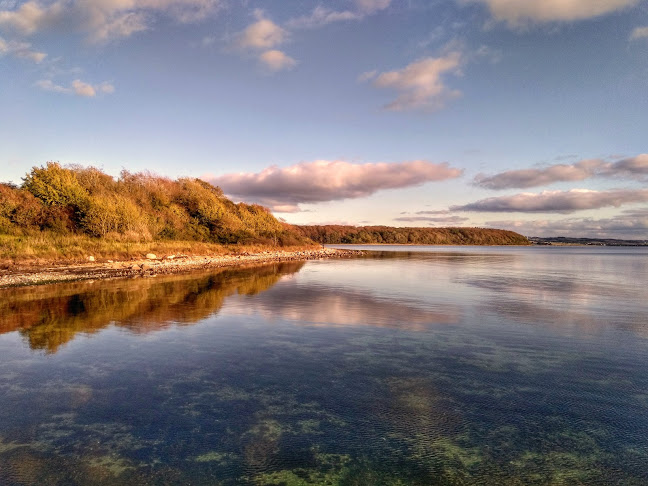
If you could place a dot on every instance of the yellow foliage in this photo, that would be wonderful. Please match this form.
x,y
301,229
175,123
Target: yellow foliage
x,y
134,207
55,185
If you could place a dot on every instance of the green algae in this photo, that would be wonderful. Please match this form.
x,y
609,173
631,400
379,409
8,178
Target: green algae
x,y
115,465
330,470
220,458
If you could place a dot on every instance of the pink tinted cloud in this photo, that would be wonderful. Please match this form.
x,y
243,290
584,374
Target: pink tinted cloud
x,y
421,84
283,189
557,201
628,168
101,20
632,224
517,13
21,50
432,219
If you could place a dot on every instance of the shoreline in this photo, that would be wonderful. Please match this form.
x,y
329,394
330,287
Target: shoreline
x,y
47,274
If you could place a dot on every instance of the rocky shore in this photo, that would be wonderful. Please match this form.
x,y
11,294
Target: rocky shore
x,y
13,276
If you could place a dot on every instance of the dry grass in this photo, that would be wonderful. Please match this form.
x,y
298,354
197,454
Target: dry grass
x,y
50,247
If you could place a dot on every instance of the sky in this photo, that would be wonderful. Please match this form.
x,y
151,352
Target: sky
x,y
515,114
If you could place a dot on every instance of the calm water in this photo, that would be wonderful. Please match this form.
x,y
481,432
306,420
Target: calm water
x,y
422,366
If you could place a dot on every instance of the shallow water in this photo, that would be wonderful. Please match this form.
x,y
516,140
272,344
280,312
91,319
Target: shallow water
x,y
417,365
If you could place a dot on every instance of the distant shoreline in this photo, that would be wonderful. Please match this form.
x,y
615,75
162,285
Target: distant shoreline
x,y
17,276
571,241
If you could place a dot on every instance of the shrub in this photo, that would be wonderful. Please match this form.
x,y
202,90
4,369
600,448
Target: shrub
x,y
19,209
55,185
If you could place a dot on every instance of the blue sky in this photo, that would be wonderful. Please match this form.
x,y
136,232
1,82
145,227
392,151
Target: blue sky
x,y
523,115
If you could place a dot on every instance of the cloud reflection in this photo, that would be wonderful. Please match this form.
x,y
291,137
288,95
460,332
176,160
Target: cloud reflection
x,y
333,307
563,304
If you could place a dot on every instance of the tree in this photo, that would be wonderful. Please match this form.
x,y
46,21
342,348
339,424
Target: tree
x,y
55,185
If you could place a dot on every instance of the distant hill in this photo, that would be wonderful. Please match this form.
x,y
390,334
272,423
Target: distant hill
x,y
73,200
334,234
563,240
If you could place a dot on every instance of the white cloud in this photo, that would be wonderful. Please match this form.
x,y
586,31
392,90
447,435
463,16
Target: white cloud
x,y
106,88
283,189
322,16
77,87
119,26
277,60
630,168
48,85
517,13
21,50
420,85
364,77
101,20
557,201
262,34
639,33
83,89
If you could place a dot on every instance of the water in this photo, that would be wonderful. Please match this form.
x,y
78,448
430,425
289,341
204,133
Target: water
x,y
413,366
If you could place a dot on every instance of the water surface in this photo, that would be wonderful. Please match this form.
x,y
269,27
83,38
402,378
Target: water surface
x,y
416,365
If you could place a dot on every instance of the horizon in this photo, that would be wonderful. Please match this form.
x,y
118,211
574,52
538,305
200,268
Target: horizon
x,y
474,113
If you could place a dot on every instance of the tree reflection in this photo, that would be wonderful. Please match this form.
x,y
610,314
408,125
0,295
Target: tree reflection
x,y
51,316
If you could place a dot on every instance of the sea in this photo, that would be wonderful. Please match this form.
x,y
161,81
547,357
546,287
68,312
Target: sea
x,y
407,365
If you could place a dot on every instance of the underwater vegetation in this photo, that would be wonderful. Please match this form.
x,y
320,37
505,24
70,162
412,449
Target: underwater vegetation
x,y
328,373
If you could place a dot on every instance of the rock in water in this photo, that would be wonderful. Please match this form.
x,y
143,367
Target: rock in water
x,y
151,256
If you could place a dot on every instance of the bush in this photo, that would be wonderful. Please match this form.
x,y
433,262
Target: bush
x,y
55,185
19,209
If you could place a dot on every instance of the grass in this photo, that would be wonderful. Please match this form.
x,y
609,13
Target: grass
x,y
48,247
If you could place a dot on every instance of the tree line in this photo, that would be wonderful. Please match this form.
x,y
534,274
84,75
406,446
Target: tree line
x,y
338,234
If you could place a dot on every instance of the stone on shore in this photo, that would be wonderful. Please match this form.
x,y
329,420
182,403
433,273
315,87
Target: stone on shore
x,y
151,256
13,275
